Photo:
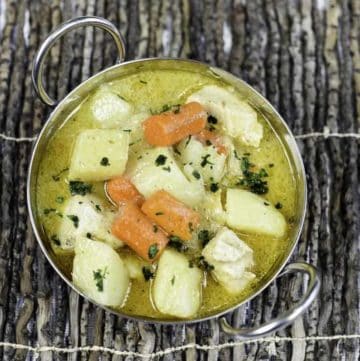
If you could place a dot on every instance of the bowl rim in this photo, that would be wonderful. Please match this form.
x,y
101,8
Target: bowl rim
x,y
294,151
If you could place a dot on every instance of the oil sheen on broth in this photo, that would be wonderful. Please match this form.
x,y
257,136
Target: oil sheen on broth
x,y
151,90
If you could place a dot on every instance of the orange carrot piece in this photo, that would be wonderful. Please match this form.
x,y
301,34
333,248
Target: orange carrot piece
x,y
171,127
172,215
206,136
121,190
138,232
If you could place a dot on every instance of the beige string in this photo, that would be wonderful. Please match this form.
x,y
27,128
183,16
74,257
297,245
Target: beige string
x,y
326,134
170,350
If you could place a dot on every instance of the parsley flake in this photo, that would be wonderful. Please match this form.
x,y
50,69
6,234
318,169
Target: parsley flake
x,y
160,160
105,162
99,277
74,219
153,251
77,187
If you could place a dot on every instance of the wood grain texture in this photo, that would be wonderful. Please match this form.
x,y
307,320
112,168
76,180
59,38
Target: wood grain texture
x,y
303,55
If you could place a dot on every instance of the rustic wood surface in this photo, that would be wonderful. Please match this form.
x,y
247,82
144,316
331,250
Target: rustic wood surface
x,y
304,56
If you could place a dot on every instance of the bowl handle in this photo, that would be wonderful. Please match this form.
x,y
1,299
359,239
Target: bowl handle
x,y
287,317
38,65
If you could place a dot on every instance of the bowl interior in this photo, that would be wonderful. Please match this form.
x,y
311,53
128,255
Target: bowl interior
x,y
71,102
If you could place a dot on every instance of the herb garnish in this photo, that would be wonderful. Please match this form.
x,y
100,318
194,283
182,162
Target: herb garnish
x,y
176,108
167,169
201,263
212,120
59,199
105,162
214,187
177,243
147,273
159,213
278,205
127,130
153,251
204,236
155,228
143,81
271,165
99,277
191,228
205,160
196,174
89,235
56,177
173,281
47,211
77,187
98,208
253,181
160,160
74,219
266,203
177,151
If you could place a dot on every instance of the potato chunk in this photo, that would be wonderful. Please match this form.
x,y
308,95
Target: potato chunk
x,y
204,159
108,109
238,118
99,272
86,216
99,154
177,287
248,212
155,169
231,258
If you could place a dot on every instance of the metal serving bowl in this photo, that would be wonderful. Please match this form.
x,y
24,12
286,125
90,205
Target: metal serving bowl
x,y
71,101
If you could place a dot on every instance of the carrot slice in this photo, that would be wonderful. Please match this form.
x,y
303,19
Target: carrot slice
x,y
138,232
172,215
206,136
121,190
170,127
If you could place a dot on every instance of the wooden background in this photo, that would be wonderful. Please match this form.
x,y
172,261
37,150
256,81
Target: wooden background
x,y
302,55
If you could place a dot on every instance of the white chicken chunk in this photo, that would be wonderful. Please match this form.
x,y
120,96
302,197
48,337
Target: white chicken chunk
x,y
231,258
86,216
237,117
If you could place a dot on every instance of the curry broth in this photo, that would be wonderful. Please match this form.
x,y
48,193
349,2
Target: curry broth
x,y
150,90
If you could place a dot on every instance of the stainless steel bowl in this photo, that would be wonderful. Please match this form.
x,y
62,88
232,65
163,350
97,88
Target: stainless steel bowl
x,y
71,101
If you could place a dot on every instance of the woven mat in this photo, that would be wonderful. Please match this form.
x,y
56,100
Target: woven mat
x,y
304,57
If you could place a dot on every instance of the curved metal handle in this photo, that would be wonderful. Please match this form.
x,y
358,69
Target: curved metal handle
x,y
38,65
289,316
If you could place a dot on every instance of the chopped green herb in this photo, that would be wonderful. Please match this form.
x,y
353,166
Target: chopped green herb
x,y
105,162
278,205
203,264
205,160
247,154
89,235
177,243
211,128
57,176
204,237
127,130
159,213
55,239
212,120
147,273
271,165
266,203
155,228
187,141
196,174
74,219
98,208
143,81
176,108
208,142
153,251
165,108
47,211
191,264
59,199
177,151
214,187
253,181
173,281
167,169
77,187
160,160
99,277
191,228
236,155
